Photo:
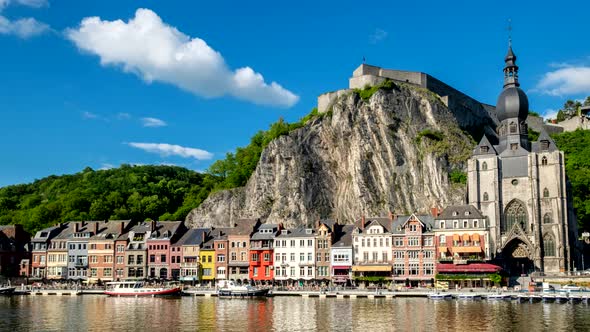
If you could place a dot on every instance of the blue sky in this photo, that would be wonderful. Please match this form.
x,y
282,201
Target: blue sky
x,y
183,83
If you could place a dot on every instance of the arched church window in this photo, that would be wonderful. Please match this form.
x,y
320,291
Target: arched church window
x,y
515,215
547,218
545,192
512,128
486,197
484,166
548,245
544,161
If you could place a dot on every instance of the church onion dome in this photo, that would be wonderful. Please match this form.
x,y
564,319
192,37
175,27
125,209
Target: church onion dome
x,y
512,103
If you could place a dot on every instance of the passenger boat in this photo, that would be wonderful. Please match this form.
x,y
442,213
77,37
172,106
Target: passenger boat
x,y
535,298
498,296
231,289
440,296
561,298
468,296
137,289
548,298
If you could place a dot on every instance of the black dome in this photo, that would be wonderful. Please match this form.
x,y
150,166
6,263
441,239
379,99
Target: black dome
x,y
512,103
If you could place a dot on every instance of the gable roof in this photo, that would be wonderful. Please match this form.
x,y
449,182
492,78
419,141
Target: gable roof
x,y
399,222
193,236
485,142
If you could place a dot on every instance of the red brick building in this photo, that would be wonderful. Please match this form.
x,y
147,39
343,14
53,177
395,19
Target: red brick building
x,y
414,250
159,249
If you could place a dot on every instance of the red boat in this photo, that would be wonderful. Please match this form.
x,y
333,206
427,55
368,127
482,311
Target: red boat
x,y
137,288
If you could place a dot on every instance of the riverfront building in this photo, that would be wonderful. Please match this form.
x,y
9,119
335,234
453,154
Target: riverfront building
x,y
414,251
372,249
190,245
324,239
296,247
238,239
262,245
159,248
341,256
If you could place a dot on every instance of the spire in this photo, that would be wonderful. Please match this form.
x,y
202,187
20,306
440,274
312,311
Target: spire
x,y
510,69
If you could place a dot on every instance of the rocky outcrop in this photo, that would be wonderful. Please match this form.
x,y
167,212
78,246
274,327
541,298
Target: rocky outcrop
x,y
392,152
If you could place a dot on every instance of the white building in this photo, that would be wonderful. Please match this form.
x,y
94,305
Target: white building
x,y
342,256
294,251
372,248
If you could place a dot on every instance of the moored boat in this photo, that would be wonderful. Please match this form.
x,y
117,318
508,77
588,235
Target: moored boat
x,y
231,289
440,296
137,289
6,290
561,298
498,296
468,296
548,298
535,298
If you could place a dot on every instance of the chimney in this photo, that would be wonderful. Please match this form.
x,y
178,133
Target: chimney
x,y
76,227
363,222
153,225
434,212
121,227
96,228
317,225
390,215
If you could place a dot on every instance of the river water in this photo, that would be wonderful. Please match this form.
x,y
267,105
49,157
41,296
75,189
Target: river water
x,y
101,313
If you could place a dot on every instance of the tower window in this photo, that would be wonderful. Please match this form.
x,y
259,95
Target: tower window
x,y
548,245
544,144
486,197
547,218
545,192
513,146
512,128
544,161
484,165
484,148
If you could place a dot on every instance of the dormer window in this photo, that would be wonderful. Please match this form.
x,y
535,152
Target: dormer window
x,y
466,213
308,231
544,144
484,148
284,232
455,213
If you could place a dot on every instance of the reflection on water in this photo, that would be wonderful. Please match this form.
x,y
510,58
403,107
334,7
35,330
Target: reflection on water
x,y
100,313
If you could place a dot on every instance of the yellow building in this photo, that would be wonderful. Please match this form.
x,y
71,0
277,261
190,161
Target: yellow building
x,y
206,258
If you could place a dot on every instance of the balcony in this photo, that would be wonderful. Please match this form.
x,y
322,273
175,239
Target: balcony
x,y
190,265
81,264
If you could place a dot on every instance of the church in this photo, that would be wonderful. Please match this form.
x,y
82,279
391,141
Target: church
x,y
521,186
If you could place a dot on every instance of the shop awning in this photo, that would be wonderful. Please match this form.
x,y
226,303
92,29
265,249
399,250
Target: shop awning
x,y
466,237
466,249
456,237
467,268
475,237
372,268
341,267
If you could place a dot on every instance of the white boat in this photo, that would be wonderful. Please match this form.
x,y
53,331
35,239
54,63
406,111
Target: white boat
x,y
137,289
229,288
468,296
570,289
440,296
6,290
498,296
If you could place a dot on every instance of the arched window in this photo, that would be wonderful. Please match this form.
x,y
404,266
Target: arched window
x,y
548,245
484,166
545,192
515,214
486,197
544,161
547,218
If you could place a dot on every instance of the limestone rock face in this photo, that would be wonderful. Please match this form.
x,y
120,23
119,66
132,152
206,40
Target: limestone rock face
x,y
390,153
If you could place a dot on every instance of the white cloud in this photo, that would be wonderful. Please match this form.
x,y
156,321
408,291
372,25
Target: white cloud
x,y
166,150
377,36
24,27
550,114
89,115
123,116
566,80
106,166
156,51
153,122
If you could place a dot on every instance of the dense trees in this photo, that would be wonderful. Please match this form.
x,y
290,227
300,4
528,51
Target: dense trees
x,y
128,192
576,146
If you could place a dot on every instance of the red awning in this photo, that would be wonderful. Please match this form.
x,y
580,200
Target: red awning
x,y
467,268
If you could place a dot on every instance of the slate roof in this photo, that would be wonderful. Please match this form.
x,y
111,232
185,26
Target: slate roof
x,y
384,222
344,237
460,210
297,232
193,237
258,235
400,221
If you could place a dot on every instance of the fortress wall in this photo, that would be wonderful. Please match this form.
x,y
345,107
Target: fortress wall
x,y
326,99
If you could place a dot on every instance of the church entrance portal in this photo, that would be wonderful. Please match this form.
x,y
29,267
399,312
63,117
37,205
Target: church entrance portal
x,y
517,258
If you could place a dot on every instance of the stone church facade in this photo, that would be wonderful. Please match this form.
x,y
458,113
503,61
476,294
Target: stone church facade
x,y
521,187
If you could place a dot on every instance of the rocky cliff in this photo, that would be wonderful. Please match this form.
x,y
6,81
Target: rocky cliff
x,y
392,151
